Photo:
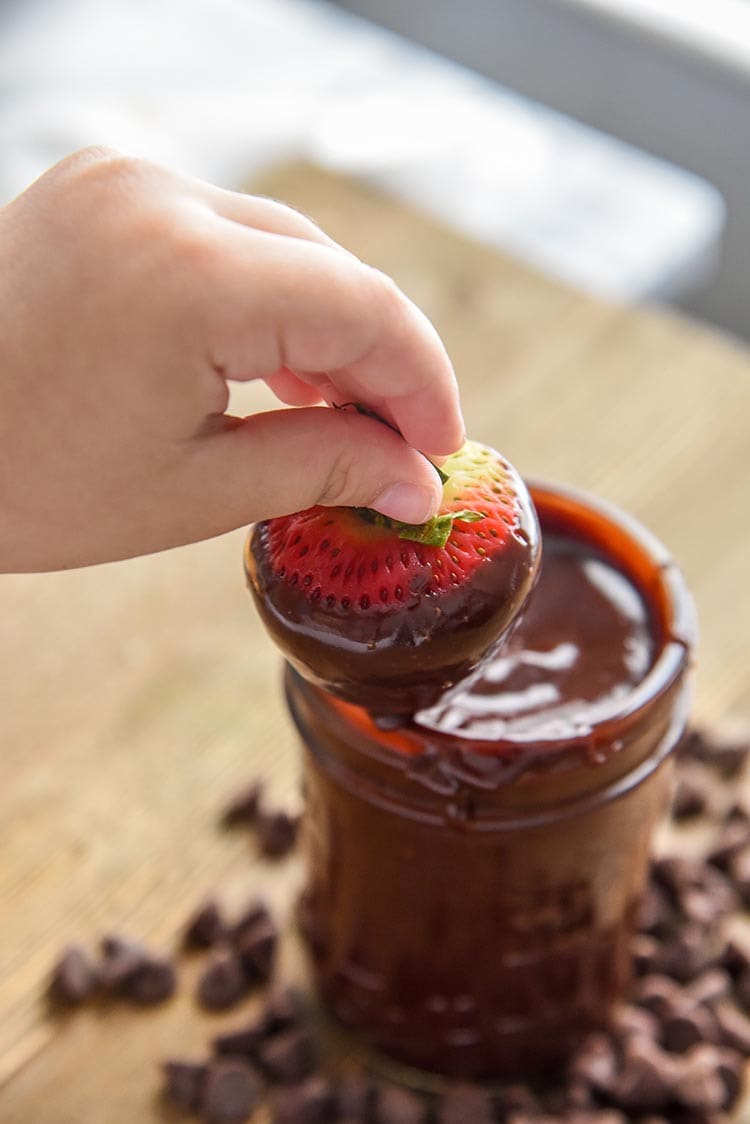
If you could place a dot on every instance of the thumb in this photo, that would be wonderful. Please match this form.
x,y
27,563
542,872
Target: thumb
x,y
282,461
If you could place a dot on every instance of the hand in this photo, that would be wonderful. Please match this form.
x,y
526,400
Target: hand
x,y
129,296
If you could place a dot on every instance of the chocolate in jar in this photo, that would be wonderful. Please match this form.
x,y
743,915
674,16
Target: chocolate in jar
x,y
473,875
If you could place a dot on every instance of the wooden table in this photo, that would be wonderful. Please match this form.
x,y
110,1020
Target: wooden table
x,y
138,696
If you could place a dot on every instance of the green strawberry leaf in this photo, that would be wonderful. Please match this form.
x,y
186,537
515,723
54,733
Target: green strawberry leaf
x,y
435,532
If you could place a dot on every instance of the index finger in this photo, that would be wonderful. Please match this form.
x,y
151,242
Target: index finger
x,y
337,323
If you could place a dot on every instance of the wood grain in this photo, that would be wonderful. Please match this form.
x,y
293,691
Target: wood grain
x,y
137,696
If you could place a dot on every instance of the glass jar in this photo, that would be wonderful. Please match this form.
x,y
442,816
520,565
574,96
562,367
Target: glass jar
x,y
469,903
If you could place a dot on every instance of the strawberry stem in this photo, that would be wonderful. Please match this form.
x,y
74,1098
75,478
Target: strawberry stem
x,y
435,532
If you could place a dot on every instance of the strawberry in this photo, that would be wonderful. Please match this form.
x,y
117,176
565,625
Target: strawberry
x,y
388,615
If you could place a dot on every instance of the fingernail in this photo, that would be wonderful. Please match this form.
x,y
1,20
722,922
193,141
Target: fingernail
x,y
410,503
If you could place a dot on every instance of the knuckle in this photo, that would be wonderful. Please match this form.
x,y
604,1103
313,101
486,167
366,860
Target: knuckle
x,y
91,154
117,184
386,292
78,168
284,212
97,165
102,182
145,206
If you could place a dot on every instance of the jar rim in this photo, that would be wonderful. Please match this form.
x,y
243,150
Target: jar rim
x,y
670,600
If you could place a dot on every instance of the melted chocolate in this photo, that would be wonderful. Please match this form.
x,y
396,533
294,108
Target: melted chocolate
x,y
585,640
473,875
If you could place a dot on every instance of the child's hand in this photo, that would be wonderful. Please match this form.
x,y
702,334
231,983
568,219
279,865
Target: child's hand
x,y
129,295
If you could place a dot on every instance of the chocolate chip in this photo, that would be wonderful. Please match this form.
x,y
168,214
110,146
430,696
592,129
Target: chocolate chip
x,y
465,1104
284,1009
730,1066
727,757
277,833
700,1085
658,994
703,906
688,954
311,1102
256,949
694,746
244,1041
738,811
742,991
689,799
646,953
242,809
183,1083
399,1106
709,986
116,944
287,1057
205,927
735,956
250,917
594,1063
732,838
738,869
699,891
656,915
153,981
231,1091
122,958
74,977
628,1019
645,1078
687,1028
223,982
734,1026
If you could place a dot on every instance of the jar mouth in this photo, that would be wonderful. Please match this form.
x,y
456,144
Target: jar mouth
x,y
642,558
646,562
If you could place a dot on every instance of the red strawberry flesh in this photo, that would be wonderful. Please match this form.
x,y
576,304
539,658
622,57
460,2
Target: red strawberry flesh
x,y
386,622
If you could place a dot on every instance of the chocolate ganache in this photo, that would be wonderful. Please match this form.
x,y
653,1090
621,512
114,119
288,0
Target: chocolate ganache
x,y
584,641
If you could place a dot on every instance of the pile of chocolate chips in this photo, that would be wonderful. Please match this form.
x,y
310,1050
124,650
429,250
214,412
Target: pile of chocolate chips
x,y
124,969
675,1052
275,829
241,956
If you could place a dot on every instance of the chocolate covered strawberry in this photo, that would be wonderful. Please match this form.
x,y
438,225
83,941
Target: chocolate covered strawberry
x,y
388,615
